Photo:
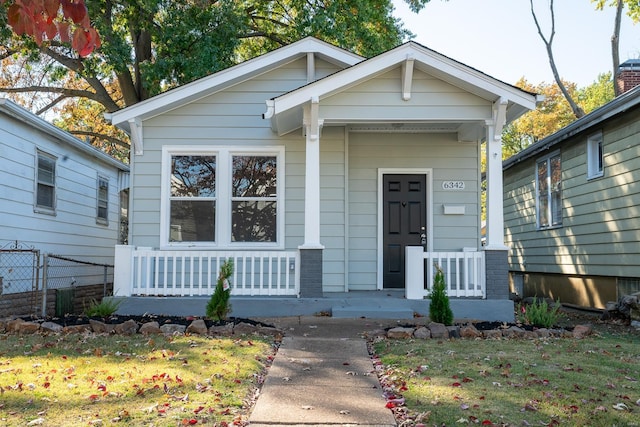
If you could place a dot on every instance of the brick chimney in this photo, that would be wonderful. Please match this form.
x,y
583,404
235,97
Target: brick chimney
x,y
628,75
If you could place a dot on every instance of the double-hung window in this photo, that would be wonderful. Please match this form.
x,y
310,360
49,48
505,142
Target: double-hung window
x,y
102,197
223,196
45,200
549,191
595,157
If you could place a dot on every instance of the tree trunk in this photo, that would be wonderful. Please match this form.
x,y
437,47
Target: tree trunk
x,y
615,46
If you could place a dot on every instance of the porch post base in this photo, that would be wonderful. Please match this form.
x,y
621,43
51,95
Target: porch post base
x,y
497,274
310,273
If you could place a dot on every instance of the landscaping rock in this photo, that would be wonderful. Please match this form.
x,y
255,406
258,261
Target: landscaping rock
x,y
422,333
26,328
130,327
13,325
470,331
244,329
197,327
438,330
51,327
375,334
581,331
492,334
172,329
225,330
100,327
400,333
543,333
513,332
454,331
76,329
150,328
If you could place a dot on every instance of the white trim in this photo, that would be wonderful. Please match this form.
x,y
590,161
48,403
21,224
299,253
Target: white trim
x,y
595,155
223,155
347,223
225,78
428,172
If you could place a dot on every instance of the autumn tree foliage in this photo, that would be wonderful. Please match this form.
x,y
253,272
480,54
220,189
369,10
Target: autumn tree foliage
x,y
67,20
148,47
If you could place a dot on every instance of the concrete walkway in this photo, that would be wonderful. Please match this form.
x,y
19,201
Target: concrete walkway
x,y
322,375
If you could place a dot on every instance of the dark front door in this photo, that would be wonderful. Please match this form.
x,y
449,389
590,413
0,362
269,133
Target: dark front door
x,y
404,211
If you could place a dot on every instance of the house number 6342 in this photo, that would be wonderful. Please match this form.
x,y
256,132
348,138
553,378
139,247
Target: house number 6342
x,y
453,185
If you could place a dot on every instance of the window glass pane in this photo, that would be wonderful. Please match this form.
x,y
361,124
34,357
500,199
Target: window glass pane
x,y
45,196
254,221
46,170
192,221
103,198
254,176
193,176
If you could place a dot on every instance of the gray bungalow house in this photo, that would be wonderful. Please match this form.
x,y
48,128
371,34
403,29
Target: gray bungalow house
x,y
322,174
572,207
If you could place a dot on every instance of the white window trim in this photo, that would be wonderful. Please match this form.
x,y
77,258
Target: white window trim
x,y
595,156
44,209
223,155
546,158
100,220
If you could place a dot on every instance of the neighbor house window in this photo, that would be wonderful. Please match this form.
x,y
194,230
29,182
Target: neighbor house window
x,y
103,200
46,183
595,161
224,197
549,191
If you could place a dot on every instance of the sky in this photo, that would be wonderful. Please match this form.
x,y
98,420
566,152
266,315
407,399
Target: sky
x,y
499,37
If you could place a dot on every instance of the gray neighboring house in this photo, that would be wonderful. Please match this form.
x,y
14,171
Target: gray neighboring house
x,y
572,206
58,195
320,173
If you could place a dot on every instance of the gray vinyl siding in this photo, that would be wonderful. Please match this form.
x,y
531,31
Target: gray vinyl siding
x,y
234,117
600,231
381,98
72,230
448,159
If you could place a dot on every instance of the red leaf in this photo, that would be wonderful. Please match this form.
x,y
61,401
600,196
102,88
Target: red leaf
x,y
390,405
487,423
20,20
85,41
94,397
102,387
198,409
456,385
74,10
46,385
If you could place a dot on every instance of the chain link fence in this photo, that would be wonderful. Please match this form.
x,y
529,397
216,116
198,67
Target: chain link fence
x,y
37,284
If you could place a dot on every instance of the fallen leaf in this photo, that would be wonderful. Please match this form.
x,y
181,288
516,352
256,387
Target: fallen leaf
x,y
620,407
36,422
307,407
344,412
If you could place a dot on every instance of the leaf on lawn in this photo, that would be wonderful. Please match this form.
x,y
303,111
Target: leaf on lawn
x,y
620,407
464,406
36,422
462,421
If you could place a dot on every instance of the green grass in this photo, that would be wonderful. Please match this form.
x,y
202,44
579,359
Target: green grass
x,y
563,381
84,380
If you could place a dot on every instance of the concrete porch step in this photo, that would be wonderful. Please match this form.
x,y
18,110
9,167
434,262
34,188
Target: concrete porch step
x,y
355,311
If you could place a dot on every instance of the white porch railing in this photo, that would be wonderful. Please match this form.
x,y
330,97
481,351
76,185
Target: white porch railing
x,y
148,272
463,272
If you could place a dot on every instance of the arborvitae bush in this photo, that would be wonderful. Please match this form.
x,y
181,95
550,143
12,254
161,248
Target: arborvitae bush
x,y
439,309
218,307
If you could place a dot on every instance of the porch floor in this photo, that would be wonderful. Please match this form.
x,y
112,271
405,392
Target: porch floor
x,y
385,304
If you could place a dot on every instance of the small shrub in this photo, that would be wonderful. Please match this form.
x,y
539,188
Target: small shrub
x,y
218,307
439,308
538,313
104,308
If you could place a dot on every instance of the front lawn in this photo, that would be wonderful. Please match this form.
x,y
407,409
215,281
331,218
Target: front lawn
x,y
554,381
101,380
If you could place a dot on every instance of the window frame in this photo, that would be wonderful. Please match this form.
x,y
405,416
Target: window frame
x,y
550,205
595,156
224,202
45,209
102,220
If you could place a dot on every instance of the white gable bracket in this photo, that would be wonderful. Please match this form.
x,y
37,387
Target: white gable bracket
x,y
136,136
499,116
311,67
407,77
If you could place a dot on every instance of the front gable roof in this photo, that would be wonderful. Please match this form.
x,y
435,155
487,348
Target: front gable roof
x,y
223,79
411,55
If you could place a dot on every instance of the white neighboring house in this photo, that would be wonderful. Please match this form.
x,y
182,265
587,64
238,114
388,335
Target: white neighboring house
x,y
58,194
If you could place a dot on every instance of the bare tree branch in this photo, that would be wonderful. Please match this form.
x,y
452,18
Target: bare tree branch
x,y
615,46
51,104
577,111
108,138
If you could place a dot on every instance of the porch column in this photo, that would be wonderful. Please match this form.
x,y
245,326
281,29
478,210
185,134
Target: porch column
x,y
496,252
311,250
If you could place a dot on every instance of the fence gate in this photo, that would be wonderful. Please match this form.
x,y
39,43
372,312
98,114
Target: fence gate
x,y
19,280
